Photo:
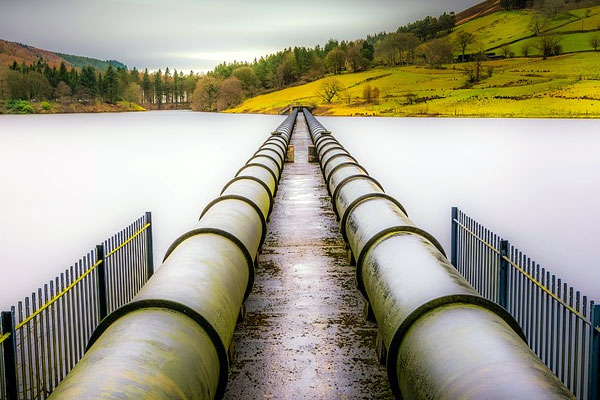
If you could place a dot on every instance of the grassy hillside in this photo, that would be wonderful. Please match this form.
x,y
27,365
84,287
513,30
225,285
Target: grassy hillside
x,y
589,24
511,28
22,53
504,27
570,43
478,10
12,51
80,61
563,86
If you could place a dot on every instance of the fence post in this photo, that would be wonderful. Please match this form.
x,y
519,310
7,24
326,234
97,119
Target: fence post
x,y
9,347
149,250
101,283
594,369
454,238
503,275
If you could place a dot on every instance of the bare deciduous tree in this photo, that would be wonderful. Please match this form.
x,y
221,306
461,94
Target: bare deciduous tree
x,y
329,89
411,98
436,52
553,7
367,93
375,94
595,42
549,45
398,48
63,92
463,40
473,69
538,24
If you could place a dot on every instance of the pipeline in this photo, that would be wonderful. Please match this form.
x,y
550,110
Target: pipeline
x,y
173,340
438,338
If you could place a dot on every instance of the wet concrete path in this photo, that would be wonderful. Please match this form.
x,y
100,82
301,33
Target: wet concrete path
x,y
304,336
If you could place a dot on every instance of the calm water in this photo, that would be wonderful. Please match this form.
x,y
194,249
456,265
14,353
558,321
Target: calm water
x,y
69,181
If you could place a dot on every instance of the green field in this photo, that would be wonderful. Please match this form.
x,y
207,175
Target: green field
x,y
570,43
563,86
512,28
589,24
504,27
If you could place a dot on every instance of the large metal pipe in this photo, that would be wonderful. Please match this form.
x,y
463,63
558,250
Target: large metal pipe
x,y
437,336
172,340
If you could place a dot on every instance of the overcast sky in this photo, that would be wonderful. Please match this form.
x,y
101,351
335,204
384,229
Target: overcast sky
x,y
198,34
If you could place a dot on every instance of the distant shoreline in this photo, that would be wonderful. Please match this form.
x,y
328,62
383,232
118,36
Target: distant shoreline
x,y
24,107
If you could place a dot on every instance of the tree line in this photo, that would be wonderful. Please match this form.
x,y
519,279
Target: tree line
x,y
39,81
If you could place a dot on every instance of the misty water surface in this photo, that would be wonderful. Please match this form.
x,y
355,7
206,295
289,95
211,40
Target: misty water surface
x,y
534,182
69,181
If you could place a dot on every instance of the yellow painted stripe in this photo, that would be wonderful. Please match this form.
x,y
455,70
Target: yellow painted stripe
x,y
531,278
3,338
477,237
72,285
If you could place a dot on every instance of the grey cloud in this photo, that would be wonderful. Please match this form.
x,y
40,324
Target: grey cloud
x,y
152,33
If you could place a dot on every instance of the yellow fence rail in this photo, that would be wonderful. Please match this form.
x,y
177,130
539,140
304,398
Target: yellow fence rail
x,y
39,348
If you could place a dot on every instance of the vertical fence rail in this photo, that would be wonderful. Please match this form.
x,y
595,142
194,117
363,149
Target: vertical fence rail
x,y
562,326
44,336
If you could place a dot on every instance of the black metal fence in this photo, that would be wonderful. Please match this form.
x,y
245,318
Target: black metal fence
x,y
42,338
562,327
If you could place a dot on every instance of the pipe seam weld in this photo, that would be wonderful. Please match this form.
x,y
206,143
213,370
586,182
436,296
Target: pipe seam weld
x,y
254,179
359,200
347,179
340,166
245,200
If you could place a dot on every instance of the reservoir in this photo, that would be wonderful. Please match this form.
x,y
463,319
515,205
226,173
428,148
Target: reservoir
x,y
70,181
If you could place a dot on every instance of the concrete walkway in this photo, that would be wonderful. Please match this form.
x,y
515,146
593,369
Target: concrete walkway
x,y
304,336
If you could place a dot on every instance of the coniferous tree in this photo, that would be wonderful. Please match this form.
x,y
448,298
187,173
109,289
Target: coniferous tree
x,y
167,86
175,87
134,75
158,88
147,87
88,86
63,74
112,85
367,50
101,88
73,79
123,81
